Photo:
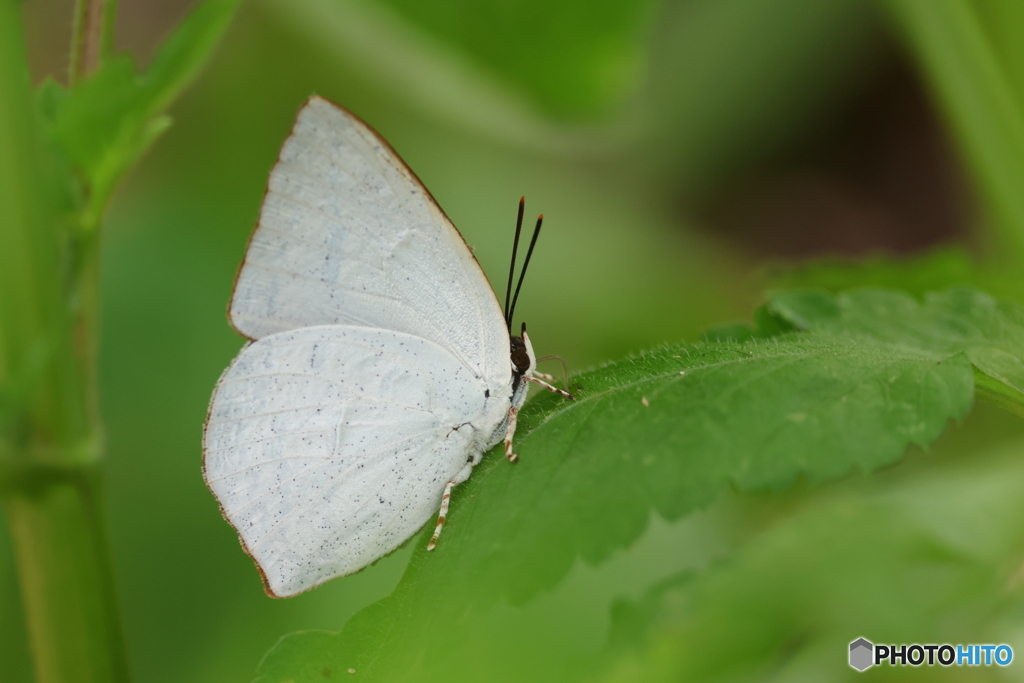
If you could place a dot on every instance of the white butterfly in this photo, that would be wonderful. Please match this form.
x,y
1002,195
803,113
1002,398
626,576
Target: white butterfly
x,y
381,365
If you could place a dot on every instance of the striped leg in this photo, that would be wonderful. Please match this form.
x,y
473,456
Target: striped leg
x,y
539,382
544,376
513,419
442,514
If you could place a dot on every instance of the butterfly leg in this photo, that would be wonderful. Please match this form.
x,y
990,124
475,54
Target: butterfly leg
x,y
510,429
540,382
544,376
513,416
442,515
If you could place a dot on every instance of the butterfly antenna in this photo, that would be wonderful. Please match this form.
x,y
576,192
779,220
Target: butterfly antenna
x,y
565,368
526,263
512,267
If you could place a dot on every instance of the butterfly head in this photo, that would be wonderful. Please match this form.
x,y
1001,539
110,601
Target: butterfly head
x,y
523,359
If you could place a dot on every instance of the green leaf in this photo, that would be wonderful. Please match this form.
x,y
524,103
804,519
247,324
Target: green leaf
x,y
576,58
766,324
970,81
1002,21
107,121
185,52
914,564
869,372
989,332
931,272
663,432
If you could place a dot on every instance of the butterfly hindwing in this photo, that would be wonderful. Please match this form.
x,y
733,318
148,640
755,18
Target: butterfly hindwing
x,y
329,446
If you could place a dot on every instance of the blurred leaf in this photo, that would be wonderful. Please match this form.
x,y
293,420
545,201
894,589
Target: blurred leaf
x,y
665,431
766,324
732,84
978,99
185,52
107,121
1003,20
989,332
910,565
930,272
575,58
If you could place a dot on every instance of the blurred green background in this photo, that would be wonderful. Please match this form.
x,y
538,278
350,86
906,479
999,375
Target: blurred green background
x,y
678,150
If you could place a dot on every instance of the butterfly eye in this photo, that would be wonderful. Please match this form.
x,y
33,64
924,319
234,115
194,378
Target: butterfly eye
x,y
520,358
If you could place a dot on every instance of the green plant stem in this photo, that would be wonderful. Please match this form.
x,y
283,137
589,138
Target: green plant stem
x,y
66,579
49,425
958,59
109,15
92,36
78,31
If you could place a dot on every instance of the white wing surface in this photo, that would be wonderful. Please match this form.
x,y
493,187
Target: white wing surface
x,y
349,236
329,446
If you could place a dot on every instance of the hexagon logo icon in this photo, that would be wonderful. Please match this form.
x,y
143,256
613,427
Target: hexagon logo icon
x,y
861,651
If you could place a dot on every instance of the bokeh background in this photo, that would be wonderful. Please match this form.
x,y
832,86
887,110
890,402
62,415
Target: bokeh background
x,y
681,151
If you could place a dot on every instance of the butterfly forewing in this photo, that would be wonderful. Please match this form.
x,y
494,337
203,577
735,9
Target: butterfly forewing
x,y
348,235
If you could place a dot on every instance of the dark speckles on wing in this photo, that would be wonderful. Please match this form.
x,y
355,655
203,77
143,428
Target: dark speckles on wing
x,y
306,423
